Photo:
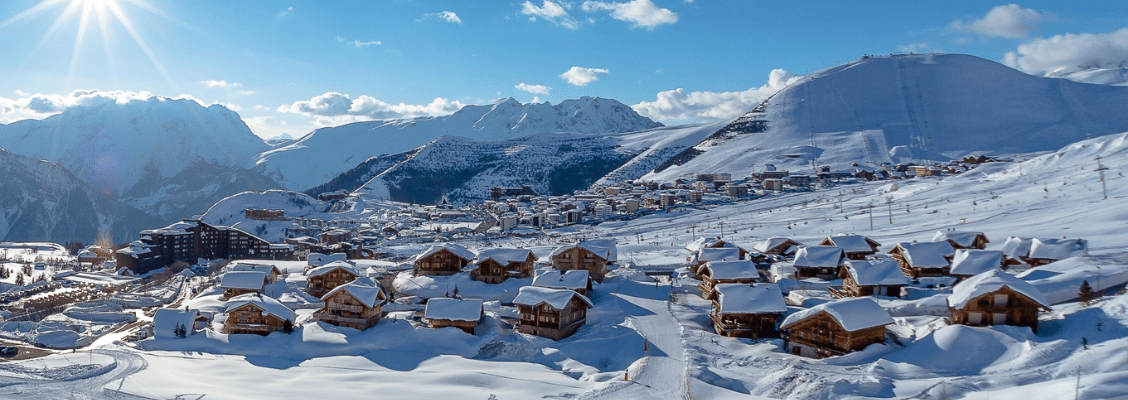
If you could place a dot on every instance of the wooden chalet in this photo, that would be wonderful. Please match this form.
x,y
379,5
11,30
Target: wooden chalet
x,y
710,254
235,283
272,272
442,260
578,280
996,298
322,279
1045,251
550,313
962,240
721,272
870,278
924,259
497,265
856,247
358,304
968,263
591,255
818,262
715,243
1016,251
835,328
445,312
777,246
749,311
255,313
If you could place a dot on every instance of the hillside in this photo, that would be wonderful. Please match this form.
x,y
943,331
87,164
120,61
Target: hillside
x,y
932,106
325,153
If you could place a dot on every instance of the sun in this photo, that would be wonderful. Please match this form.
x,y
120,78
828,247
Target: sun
x,y
92,12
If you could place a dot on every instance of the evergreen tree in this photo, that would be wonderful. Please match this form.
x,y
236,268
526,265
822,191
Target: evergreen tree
x,y
181,331
1085,293
20,280
288,327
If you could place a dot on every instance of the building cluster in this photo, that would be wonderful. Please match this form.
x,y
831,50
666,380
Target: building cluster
x,y
746,305
190,240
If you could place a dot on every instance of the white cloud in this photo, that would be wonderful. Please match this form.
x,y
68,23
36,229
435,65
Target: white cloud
x,y
581,76
678,106
639,13
448,16
535,89
214,83
1071,52
369,43
916,48
1008,21
334,108
246,92
552,12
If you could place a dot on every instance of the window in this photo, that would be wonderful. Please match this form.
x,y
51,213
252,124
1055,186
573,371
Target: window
x,y
1001,300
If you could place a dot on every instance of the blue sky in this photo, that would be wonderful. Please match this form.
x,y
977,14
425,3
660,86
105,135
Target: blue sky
x,y
293,66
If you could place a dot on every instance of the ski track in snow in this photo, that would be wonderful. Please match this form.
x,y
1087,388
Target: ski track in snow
x,y
103,383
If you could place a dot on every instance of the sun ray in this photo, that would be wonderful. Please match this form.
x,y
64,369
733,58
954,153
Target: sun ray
x,y
29,12
116,10
80,37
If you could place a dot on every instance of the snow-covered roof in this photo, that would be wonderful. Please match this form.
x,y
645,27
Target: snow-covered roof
x,y
243,280
975,262
721,270
963,239
605,248
927,255
269,305
556,298
572,279
819,256
990,281
364,289
853,314
707,242
324,269
241,266
876,272
451,247
768,244
453,309
1016,247
739,298
166,320
503,256
853,243
717,254
1058,249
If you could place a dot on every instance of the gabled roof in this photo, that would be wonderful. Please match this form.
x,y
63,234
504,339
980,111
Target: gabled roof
x,y
324,269
717,254
1058,249
556,298
853,243
504,256
819,256
962,239
572,279
975,262
731,269
768,244
269,305
927,255
241,266
706,242
166,320
853,314
453,309
243,280
1016,247
991,281
738,298
876,272
451,247
364,289
605,248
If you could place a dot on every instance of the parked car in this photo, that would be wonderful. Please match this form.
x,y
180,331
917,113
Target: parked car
x,y
9,351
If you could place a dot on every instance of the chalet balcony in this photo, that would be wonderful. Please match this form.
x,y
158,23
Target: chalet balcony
x,y
838,293
330,318
345,307
730,325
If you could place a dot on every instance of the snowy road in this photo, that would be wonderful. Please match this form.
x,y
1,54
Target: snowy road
x,y
82,381
663,372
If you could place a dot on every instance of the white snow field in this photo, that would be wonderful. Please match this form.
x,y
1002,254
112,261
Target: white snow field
x,y
664,345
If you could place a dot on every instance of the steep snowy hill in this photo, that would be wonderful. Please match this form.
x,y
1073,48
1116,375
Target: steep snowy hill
x,y
323,154
40,201
934,106
167,157
1099,76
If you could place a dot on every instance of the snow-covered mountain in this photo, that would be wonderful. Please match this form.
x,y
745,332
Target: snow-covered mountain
x,y
1112,75
928,106
40,200
170,158
325,153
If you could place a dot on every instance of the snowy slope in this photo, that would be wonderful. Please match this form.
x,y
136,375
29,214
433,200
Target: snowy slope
x,y
323,154
1112,75
938,106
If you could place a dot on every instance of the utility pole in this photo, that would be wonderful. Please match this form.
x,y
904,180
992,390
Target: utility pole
x,y
870,212
889,203
1101,169
722,229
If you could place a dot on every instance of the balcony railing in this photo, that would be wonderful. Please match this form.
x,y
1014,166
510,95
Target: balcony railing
x,y
345,307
